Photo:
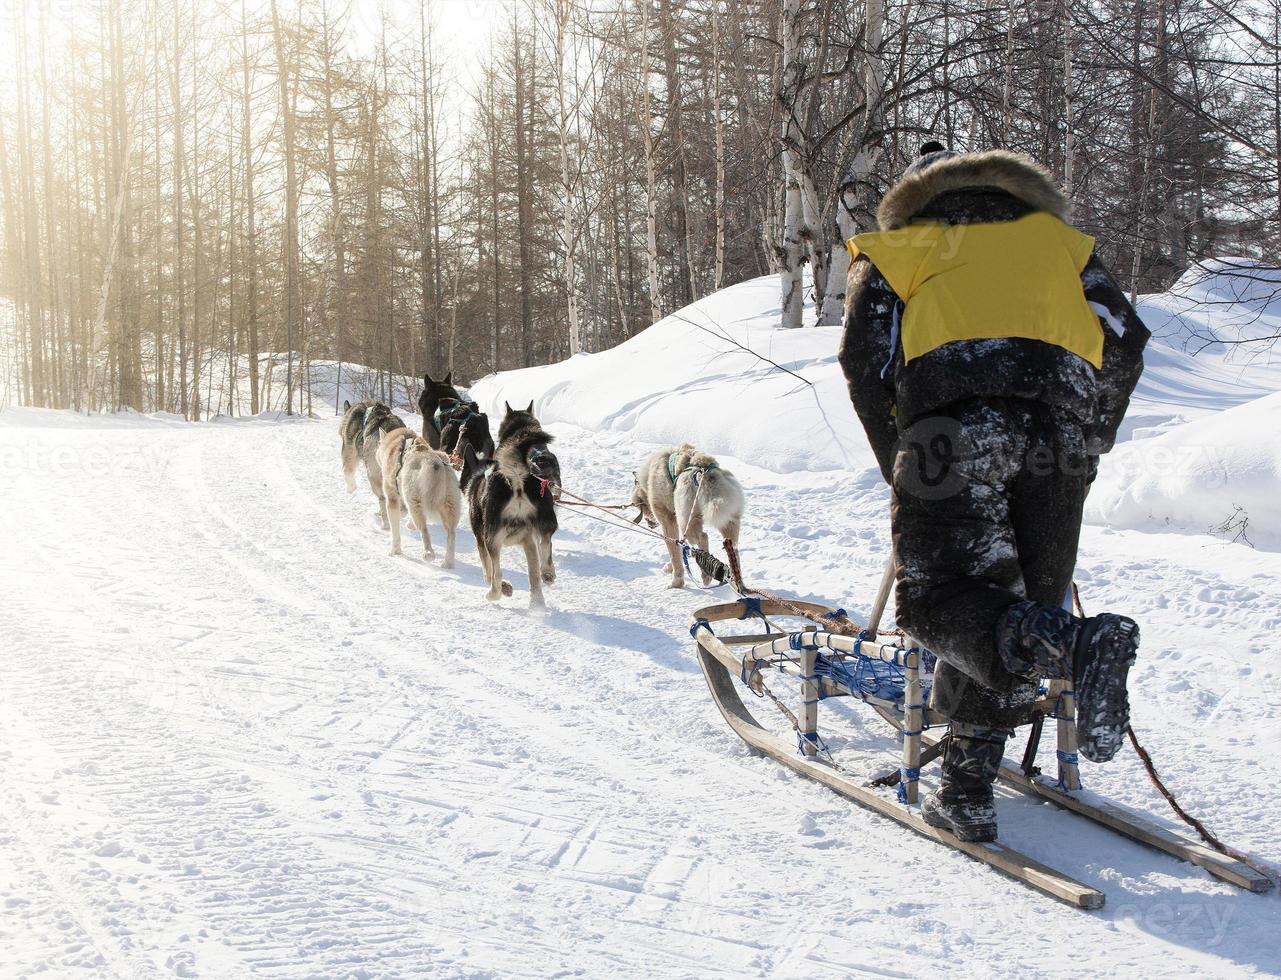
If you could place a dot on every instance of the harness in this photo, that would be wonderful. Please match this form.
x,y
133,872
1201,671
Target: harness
x,y
405,446
459,412
438,417
535,456
533,460
674,476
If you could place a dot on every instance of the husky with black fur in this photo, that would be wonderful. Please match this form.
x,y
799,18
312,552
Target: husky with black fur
x,y
511,500
685,492
362,425
436,396
421,479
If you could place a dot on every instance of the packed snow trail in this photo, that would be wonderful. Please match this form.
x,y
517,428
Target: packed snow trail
x,y
236,736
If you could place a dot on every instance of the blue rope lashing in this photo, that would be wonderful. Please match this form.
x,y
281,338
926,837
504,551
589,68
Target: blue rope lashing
x,y
1065,759
1058,703
751,607
699,623
835,614
906,774
865,675
748,676
796,641
813,738
818,686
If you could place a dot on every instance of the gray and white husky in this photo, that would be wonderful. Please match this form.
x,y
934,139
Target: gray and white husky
x,y
685,492
362,425
422,479
512,501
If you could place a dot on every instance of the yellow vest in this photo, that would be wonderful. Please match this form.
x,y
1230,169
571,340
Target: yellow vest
x,y
978,282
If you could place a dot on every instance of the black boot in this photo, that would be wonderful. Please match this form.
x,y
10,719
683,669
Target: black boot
x,y
1095,654
963,802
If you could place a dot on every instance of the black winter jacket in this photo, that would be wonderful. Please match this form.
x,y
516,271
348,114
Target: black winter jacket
x,y
889,395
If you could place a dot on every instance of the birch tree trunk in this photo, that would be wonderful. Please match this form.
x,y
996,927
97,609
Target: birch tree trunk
x,y
687,281
856,198
718,123
1069,96
338,291
569,232
795,231
651,177
251,232
179,248
291,206
524,109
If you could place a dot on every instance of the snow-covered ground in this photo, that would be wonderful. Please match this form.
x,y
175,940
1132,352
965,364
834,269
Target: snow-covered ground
x,y
235,736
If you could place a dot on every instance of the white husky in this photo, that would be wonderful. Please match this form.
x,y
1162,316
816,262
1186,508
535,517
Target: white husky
x,y
421,478
686,492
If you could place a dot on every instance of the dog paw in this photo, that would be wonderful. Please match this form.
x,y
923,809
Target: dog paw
x,y
447,563
507,588
667,569
429,556
493,596
549,576
677,585
393,552
537,603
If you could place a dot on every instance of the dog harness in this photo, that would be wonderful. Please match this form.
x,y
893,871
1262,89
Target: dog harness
x,y
671,467
405,444
455,411
536,456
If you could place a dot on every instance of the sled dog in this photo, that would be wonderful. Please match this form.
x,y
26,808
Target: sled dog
x,y
511,500
685,492
436,398
420,478
360,428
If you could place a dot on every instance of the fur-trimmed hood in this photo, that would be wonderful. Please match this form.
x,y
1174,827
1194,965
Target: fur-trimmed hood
x,y
1014,173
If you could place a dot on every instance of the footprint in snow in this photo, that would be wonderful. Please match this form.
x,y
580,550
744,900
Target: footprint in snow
x,y
804,532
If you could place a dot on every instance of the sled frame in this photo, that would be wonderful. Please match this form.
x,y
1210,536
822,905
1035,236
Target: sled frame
x,y
720,662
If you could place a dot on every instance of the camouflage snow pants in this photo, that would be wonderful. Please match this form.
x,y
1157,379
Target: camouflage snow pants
x,y
986,512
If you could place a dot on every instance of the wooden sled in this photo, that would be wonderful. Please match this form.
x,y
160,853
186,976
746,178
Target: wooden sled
x,y
833,665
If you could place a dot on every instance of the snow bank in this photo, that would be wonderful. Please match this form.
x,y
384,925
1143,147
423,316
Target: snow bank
x,y
719,373
1219,474
1216,303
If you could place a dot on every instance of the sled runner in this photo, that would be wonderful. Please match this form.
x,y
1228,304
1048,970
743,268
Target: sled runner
x,y
887,673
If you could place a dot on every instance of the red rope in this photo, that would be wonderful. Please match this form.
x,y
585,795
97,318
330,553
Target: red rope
x,y
1202,830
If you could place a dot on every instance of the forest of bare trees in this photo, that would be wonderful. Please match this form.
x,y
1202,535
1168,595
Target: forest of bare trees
x,y
200,198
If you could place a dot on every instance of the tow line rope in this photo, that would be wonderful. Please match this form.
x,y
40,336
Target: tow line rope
x,y
713,566
1202,830
708,563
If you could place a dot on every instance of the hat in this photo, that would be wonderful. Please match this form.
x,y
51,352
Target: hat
x,y
930,154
